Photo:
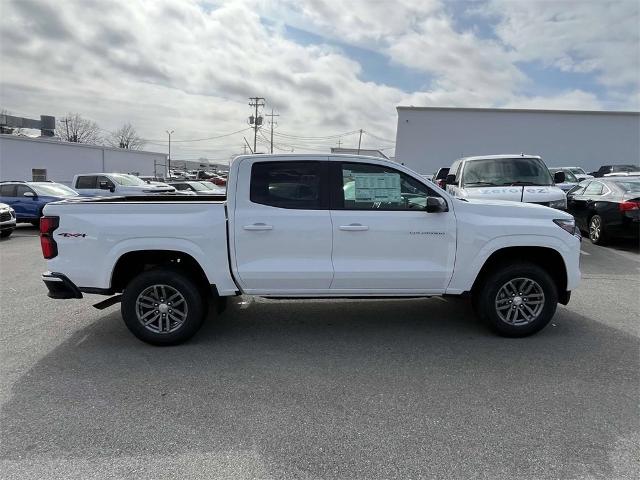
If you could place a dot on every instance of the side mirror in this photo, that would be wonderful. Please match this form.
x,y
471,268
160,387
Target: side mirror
x,y
29,194
451,179
559,177
435,205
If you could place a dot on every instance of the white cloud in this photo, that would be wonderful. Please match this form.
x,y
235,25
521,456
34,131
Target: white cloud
x,y
190,67
582,36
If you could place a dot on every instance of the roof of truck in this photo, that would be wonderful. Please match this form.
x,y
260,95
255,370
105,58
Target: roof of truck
x,y
302,156
495,157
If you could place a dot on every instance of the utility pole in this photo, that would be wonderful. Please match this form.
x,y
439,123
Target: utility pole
x,y
339,143
169,169
256,121
359,141
272,122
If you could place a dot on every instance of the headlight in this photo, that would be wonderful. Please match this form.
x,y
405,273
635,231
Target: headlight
x,y
568,225
561,204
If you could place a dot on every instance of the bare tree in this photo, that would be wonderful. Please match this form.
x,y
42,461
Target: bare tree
x,y
74,128
126,137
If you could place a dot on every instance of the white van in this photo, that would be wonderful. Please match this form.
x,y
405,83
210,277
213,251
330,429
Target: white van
x,y
519,178
106,184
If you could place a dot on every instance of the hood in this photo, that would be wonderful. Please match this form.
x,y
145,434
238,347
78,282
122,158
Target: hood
x,y
515,193
508,208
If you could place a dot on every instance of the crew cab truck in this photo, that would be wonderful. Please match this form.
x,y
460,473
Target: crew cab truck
x,y
310,226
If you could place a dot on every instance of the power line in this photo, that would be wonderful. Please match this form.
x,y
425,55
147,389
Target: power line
x,y
379,138
327,137
200,139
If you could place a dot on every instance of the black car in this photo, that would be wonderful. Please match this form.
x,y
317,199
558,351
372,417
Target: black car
x,y
604,169
606,207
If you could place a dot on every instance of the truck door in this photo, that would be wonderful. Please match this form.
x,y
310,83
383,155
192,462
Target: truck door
x,y
384,241
282,227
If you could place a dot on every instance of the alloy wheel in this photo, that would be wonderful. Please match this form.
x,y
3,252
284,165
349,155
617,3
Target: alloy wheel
x,y
519,301
161,309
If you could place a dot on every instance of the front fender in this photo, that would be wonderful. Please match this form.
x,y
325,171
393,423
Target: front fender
x,y
470,261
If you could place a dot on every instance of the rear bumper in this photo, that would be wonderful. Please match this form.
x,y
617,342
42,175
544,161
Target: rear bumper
x,y
60,287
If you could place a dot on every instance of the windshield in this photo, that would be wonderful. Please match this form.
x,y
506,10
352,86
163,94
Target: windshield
x,y
505,171
630,185
127,180
53,190
577,170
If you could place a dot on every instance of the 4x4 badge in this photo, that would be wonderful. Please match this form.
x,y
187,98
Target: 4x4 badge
x,y
72,235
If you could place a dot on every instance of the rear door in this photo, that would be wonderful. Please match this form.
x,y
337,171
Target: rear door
x,y
282,227
384,242
87,185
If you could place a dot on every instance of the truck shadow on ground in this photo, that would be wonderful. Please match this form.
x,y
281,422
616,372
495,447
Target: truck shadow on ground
x,y
381,388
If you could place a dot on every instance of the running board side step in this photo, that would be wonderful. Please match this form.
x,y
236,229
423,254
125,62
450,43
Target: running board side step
x,y
108,302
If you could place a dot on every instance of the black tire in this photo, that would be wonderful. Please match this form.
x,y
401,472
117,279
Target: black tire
x,y
6,233
490,296
172,280
597,233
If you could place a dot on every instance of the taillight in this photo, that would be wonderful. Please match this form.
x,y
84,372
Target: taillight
x,y
626,206
48,244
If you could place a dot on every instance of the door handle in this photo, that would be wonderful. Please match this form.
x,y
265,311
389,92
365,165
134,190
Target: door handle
x,y
258,226
354,227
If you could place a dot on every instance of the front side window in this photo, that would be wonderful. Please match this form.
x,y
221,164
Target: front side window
x,y
288,184
577,171
22,189
579,189
374,187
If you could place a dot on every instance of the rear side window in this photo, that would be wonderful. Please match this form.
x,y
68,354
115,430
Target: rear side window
x,y
594,188
8,190
298,185
86,182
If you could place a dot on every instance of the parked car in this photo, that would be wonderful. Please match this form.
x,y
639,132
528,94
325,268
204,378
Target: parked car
x,y
578,172
29,198
570,179
109,184
440,177
518,178
603,170
7,220
623,174
198,188
267,238
214,188
152,179
606,208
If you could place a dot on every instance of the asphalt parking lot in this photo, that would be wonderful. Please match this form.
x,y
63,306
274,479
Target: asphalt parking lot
x,y
307,389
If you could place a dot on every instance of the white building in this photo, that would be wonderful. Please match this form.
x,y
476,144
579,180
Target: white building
x,y
32,159
428,138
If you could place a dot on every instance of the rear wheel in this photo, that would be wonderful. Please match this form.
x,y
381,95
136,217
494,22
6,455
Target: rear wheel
x,y
163,307
596,230
517,300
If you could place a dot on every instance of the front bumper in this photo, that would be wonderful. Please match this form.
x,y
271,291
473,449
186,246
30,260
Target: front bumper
x,y
60,287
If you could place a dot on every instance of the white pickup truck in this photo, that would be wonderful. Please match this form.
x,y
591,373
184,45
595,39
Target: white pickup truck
x,y
310,226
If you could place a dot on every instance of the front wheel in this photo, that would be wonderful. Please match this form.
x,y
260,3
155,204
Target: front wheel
x,y
6,233
517,300
163,307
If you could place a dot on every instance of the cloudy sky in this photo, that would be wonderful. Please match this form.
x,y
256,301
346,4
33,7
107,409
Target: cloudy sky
x,y
328,67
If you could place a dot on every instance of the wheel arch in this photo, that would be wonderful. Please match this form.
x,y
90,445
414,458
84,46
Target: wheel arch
x,y
132,263
548,258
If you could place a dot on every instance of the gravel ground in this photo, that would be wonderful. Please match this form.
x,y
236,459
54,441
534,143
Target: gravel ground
x,y
343,389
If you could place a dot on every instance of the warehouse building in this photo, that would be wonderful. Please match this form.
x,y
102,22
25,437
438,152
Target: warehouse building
x,y
428,138
38,159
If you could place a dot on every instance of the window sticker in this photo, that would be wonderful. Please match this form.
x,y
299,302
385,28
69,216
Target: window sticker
x,y
377,187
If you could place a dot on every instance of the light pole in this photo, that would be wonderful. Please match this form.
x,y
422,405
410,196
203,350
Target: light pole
x,y
169,169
